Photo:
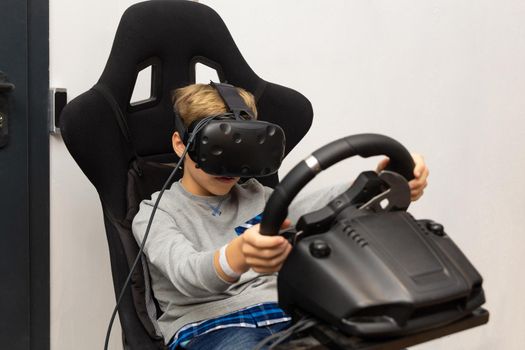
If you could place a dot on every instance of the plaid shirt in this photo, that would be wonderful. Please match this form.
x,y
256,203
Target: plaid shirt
x,y
239,230
259,315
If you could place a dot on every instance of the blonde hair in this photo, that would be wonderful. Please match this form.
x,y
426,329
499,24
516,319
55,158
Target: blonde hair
x,y
196,101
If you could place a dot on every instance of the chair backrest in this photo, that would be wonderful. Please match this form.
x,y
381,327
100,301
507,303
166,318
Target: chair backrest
x,y
121,147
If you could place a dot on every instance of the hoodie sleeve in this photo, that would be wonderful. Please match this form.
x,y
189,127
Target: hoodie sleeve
x,y
190,271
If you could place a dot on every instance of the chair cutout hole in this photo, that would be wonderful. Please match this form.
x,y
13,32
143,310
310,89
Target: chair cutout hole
x,y
384,203
204,73
142,88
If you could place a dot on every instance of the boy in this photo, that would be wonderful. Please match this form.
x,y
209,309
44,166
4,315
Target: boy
x,y
212,272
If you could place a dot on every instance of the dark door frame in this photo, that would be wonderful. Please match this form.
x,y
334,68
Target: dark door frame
x,y
38,77
24,238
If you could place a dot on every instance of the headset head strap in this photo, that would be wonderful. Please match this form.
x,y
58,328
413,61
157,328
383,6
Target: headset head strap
x,y
233,100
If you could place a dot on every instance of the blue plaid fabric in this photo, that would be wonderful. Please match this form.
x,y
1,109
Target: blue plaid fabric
x,y
239,230
259,315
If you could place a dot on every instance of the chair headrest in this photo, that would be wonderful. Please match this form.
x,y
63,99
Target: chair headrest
x,y
171,37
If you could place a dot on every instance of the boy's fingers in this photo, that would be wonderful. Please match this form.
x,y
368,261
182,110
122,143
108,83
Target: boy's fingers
x,y
418,169
262,242
421,181
253,237
421,172
249,250
426,173
418,186
272,265
382,164
417,192
414,196
415,184
264,270
419,164
286,223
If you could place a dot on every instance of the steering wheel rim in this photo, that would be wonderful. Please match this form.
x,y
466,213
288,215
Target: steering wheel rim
x,y
364,145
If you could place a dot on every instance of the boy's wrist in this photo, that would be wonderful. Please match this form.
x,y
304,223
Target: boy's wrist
x,y
218,269
225,265
235,257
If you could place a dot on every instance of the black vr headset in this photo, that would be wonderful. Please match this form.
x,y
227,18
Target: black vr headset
x,y
233,143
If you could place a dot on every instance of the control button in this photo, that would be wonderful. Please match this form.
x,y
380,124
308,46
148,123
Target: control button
x,y
319,249
436,228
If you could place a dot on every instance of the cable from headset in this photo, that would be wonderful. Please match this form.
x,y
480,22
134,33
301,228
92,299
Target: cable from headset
x,y
200,125
277,338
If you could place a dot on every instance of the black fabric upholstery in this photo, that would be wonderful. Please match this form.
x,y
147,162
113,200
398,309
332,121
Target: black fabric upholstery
x,y
172,36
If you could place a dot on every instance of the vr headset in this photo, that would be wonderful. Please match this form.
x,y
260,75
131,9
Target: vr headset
x,y
234,143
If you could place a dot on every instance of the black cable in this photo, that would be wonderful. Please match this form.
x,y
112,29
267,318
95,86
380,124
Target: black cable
x,y
308,323
201,124
279,337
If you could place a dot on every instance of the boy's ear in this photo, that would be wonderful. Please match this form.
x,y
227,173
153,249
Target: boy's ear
x,y
178,145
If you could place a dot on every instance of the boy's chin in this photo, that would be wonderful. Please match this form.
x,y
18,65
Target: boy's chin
x,y
223,185
221,191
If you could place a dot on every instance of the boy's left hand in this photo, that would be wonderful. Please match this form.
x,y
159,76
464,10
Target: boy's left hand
x,y
421,172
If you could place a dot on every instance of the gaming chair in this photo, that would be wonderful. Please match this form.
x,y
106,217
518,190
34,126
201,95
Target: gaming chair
x,y
125,148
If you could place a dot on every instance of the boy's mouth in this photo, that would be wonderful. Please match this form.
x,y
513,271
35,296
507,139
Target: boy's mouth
x,y
225,179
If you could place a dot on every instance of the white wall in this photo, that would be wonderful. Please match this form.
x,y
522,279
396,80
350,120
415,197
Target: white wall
x,y
446,78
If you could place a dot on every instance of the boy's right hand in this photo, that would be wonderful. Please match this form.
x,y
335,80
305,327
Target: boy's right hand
x,y
264,254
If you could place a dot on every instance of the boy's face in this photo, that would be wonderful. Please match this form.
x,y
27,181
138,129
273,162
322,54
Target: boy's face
x,y
196,181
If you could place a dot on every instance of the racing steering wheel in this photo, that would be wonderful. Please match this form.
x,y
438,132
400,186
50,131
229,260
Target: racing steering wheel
x,y
364,145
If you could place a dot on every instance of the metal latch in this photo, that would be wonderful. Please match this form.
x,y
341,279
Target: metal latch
x,y
5,88
57,102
